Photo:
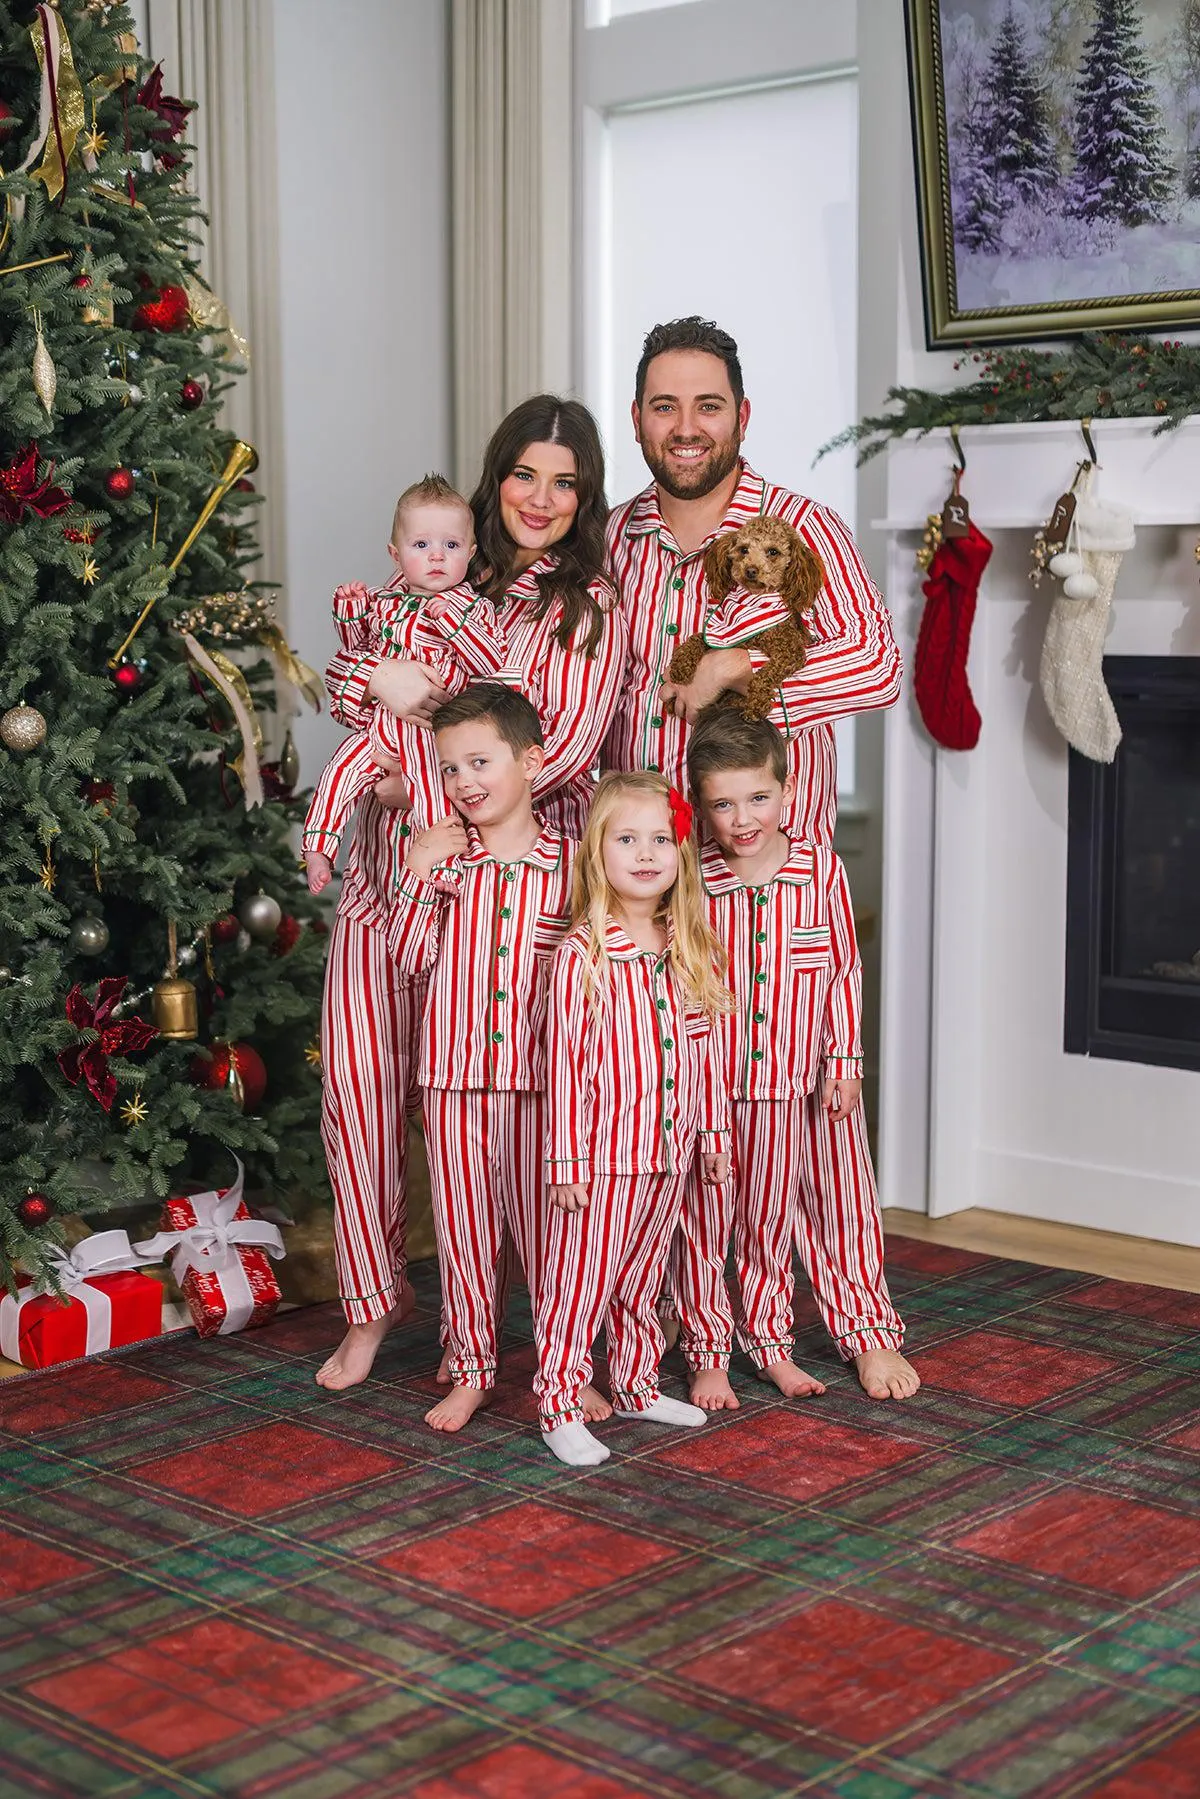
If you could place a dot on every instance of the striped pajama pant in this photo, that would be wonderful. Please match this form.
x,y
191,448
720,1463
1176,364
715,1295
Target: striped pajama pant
x,y
486,1155
605,1264
370,1021
796,1174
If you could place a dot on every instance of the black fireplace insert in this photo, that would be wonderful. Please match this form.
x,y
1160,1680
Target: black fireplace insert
x,y
1133,873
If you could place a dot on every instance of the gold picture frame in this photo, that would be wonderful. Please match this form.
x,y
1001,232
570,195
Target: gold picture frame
x,y
954,315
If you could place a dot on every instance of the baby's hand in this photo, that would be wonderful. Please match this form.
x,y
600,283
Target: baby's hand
x,y
318,869
839,1098
569,1197
714,1168
442,841
356,592
436,608
391,789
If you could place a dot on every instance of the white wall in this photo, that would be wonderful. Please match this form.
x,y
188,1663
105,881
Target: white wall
x,y
364,249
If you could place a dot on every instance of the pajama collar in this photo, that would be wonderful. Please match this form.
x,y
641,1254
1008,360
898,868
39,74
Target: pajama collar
x,y
746,502
546,852
719,878
620,947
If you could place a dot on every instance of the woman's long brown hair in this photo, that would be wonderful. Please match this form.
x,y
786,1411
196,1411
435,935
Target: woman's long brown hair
x,y
580,554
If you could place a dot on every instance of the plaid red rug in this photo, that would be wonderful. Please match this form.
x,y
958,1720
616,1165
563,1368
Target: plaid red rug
x,y
217,1579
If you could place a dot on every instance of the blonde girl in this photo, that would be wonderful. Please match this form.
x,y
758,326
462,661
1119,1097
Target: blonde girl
x,y
633,1097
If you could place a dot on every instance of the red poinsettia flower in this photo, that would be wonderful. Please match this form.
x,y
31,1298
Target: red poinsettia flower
x,y
89,1058
21,488
171,111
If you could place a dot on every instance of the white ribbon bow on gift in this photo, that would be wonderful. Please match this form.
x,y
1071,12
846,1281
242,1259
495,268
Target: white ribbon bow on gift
x,y
211,1245
107,1252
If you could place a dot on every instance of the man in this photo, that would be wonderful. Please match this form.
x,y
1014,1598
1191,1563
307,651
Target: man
x,y
690,415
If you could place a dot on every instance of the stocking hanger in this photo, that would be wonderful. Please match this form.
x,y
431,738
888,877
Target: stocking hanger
x,y
960,460
1085,425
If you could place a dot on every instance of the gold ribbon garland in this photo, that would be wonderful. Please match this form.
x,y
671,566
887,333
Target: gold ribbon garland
x,y
230,683
62,110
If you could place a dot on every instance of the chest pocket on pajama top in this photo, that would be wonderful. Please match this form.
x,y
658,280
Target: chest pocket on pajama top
x,y
810,950
548,931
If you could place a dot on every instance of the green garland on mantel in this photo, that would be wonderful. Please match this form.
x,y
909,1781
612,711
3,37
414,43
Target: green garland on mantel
x,y
1103,375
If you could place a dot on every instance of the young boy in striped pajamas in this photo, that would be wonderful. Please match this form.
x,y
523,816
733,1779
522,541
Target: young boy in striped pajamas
x,y
780,908
479,907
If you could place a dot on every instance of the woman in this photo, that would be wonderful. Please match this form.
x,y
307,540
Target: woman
x,y
539,514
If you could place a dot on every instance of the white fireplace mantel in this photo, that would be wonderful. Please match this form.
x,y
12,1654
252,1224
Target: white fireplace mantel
x,y
979,1103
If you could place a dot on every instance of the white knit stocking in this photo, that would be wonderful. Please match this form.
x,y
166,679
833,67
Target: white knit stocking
x,y
1071,676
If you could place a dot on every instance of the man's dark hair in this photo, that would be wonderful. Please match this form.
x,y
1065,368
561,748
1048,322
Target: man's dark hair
x,y
514,718
692,333
725,739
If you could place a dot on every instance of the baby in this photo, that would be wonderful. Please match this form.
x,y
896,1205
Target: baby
x,y
428,614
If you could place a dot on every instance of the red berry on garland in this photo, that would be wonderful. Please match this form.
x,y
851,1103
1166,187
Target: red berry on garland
x,y
212,1071
34,1210
225,930
118,485
127,676
191,395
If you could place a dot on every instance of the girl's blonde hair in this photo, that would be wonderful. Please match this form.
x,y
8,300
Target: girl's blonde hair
x,y
695,953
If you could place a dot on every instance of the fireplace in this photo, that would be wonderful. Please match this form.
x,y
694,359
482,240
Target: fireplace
x,y
1133,874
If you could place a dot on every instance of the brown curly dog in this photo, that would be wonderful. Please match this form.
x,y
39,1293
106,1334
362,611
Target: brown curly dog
x,y
764,556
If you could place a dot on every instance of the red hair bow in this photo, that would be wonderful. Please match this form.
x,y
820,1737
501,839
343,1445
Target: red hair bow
x,y
681,814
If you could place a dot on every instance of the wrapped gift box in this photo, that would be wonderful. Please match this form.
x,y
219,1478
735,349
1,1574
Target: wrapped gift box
x,y
107,1304
220,1256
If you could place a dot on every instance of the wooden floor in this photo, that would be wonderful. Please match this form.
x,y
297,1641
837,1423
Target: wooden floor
x,y
1106,1253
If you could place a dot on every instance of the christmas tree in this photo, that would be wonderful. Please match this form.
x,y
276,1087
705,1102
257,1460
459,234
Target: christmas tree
x,y
1121,170
151,915
1019,148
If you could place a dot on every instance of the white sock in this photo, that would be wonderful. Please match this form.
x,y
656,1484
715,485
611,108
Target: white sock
x,y
575,1445
666,1411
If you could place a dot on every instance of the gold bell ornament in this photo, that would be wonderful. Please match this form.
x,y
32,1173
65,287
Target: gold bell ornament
x,y
174,999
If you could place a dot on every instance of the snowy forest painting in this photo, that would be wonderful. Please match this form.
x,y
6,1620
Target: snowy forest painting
x,y
1059,162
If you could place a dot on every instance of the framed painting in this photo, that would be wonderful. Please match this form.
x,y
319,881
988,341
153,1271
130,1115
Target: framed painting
x,y
1057,152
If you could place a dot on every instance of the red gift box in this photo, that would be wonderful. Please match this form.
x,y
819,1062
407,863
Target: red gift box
x,y
220,1255
101,1310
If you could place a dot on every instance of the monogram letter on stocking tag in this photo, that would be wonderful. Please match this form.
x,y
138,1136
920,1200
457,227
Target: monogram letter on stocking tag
x,y
1059,523
956,516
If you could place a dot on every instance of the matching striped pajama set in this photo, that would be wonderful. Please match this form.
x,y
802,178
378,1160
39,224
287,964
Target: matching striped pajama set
x,y
633,1094
482,937
372,1013
853,665
797,986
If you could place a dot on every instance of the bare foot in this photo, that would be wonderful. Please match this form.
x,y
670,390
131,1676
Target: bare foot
x,y
443,1373
792,1382
711,1391
884,1374
352,1360
459,1405
594,1405
319,870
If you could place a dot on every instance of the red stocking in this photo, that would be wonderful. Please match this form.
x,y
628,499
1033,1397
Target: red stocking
x,y
944,641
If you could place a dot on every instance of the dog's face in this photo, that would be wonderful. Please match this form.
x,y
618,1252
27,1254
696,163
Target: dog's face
x,y
760,554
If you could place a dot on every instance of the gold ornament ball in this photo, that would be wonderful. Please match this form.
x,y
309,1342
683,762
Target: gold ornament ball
x,y
261,915
89,936
22,728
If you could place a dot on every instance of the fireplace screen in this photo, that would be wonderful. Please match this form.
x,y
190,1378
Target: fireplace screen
x,y
1133,873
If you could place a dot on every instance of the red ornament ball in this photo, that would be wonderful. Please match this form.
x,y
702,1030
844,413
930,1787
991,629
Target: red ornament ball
x,y
191,395
8,119
212,1071
118,485
34,1210
244,486
82,281
168,311
225,930
127,676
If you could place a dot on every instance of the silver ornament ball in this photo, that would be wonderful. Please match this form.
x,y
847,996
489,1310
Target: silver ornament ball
x,y
89,936
261,915
6,974
22,728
